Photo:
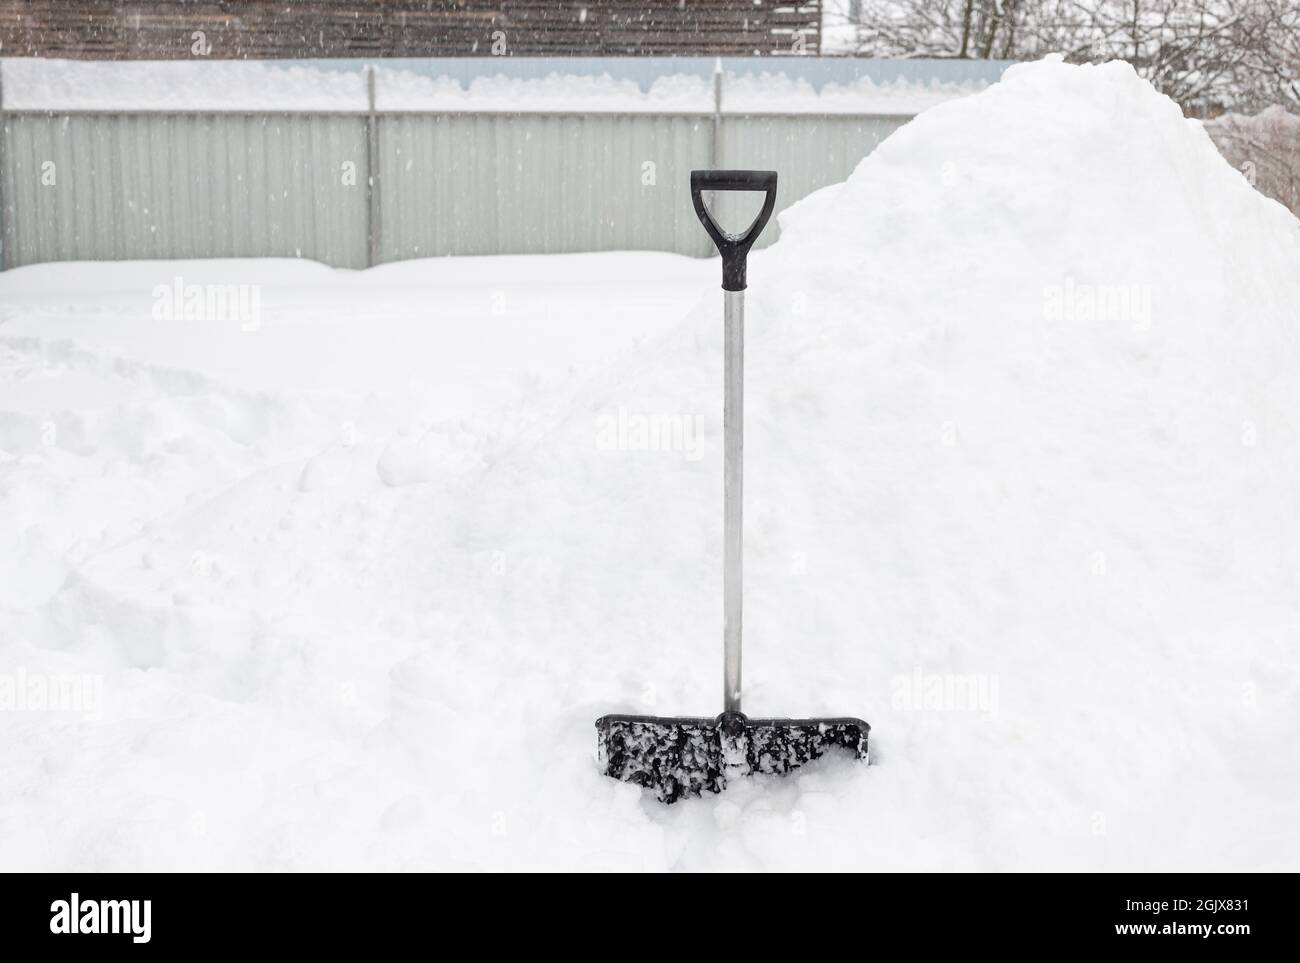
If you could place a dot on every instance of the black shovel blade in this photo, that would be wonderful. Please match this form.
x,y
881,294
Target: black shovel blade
x,y
683,756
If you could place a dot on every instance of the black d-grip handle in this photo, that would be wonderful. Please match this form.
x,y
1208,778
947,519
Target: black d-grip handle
x,y
734,248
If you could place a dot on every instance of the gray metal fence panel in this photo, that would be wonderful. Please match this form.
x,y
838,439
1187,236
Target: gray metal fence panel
x,y
105,186
151,185
537,183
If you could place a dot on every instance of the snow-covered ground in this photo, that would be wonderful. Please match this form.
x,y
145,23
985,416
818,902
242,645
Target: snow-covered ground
x,y
344,579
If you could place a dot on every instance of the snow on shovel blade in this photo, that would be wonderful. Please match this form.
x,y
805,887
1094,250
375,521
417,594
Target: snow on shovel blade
x,y
679,757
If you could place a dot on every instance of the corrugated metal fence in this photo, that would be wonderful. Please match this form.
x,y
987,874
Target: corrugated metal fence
x,y
118,186
122,185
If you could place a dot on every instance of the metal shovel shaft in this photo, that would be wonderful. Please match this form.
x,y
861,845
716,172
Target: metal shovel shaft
x,y
733,433
734,249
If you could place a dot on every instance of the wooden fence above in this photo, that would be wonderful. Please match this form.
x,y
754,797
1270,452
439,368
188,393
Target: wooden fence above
x,y
274,29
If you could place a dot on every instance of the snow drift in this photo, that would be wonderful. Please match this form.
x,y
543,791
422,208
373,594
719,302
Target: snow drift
x,y
1022,451
1022,457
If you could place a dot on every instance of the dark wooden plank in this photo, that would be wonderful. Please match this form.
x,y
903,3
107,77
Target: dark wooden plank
x,y
162,29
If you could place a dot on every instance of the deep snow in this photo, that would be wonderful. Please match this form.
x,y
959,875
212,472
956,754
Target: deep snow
x,y
1022,461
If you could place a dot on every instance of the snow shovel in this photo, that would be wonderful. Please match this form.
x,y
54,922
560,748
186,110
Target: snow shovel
x,y
678,757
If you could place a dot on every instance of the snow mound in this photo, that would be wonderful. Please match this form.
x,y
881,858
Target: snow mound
x,y
1022,448
1056,172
